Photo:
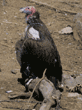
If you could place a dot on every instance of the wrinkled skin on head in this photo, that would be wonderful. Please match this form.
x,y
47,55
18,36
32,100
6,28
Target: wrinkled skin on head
x,y
29,10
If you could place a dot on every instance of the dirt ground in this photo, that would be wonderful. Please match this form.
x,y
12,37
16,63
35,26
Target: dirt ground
x,y
12,26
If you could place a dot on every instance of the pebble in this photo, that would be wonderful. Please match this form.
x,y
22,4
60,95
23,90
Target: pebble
x,y
9,91
6,33
72,95
4,13
13,71
15,51
80,74
70,43
66,30
15,16
0,69
20,34
12,47
16,23
65,14
49,24
80,98
2,87
5,39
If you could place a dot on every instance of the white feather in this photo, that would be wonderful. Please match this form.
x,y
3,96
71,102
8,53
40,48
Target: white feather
x,y
34,33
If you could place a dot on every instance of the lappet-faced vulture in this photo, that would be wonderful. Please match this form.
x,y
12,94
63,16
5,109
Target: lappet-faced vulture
x,y
37,50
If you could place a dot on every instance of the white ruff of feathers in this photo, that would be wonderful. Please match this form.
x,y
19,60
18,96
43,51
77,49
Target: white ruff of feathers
x,y
34,33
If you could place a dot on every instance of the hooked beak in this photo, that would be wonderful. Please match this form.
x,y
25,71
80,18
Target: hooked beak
x,y
24,10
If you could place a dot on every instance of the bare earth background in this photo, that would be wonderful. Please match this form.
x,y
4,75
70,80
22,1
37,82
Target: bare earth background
x,y
12,25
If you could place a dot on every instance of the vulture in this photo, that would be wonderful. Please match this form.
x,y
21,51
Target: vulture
x,y
37,50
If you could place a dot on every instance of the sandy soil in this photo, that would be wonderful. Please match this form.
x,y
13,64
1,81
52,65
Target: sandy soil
x,y
12,25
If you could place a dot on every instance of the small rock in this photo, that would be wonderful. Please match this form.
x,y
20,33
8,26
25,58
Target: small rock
x,y
70,43
72,95
77,17
49,24
4,12
12,47
77,28
15,23
67,30
6,33
2,87
13,71
0,69
9,91
15,16
80,74
65,14
20,34
80,98
15,51
4,38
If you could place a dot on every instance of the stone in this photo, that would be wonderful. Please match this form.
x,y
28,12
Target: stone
x,y
66,30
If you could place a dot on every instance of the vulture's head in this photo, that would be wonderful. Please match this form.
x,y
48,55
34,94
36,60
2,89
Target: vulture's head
x,y
30,11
